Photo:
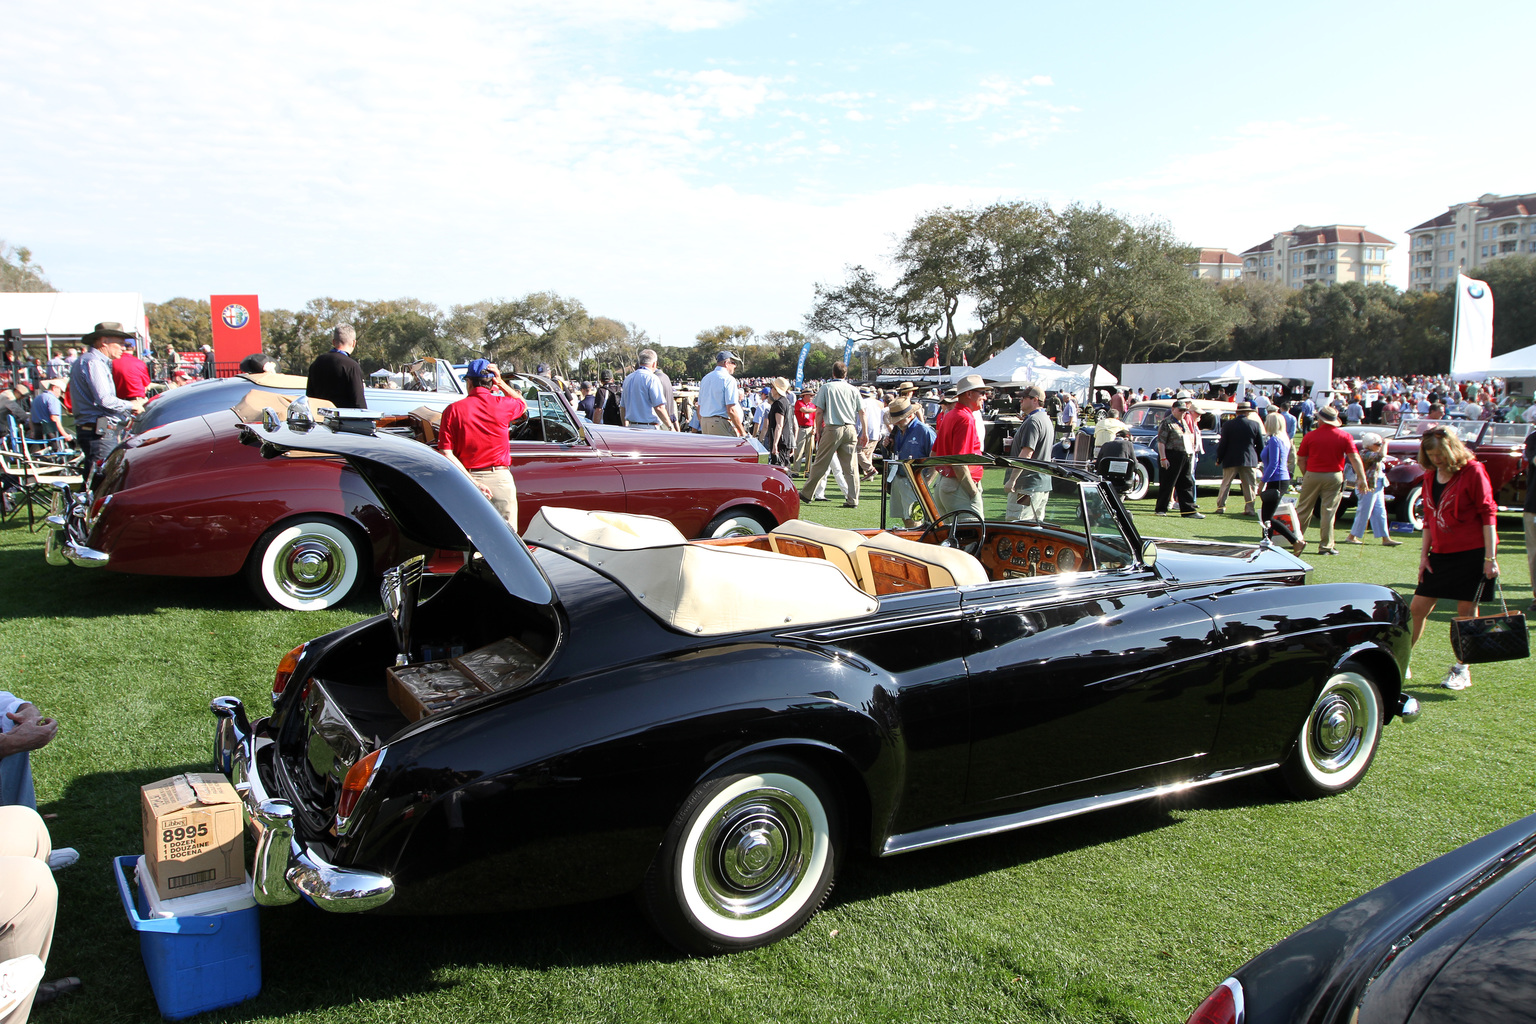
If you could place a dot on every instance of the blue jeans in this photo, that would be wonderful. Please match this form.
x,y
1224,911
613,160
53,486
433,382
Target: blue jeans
x,y
16,780
1372,508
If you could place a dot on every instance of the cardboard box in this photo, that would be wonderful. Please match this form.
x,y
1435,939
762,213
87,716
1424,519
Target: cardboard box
x,y
194,834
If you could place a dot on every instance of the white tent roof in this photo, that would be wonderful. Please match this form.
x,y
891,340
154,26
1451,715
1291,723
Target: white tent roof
x,y
1102,378
67,315
1519,363
1022,363
1239,372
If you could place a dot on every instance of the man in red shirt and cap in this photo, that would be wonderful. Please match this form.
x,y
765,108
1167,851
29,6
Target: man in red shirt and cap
x,y
474,435
130,376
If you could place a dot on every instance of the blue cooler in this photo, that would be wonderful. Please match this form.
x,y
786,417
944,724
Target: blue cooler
x,y
195,963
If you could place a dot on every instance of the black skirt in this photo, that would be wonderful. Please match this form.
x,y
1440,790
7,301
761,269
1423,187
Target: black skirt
x,y
1457,576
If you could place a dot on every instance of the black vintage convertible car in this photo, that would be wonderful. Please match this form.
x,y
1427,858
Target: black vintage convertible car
x,y
601,706
1451,942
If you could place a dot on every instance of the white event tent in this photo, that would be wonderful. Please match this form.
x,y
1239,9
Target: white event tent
x,y
1022,363
56,318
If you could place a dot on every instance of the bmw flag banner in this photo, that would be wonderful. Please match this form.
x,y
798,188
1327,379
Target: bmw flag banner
x,y
1472,339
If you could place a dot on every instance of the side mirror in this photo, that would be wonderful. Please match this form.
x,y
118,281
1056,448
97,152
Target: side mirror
x,y
1149,553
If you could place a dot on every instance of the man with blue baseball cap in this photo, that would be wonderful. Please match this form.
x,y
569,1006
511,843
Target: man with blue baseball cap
x,y
474,435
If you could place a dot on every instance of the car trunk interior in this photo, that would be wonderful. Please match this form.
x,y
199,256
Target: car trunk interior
x,y
468,640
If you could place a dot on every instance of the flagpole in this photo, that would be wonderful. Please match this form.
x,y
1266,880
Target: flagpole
x,y
1456,324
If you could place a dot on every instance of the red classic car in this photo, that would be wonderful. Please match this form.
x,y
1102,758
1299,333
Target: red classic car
x,y
188,499
1497,446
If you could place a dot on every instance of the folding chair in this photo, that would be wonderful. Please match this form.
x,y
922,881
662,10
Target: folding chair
x,y
34,483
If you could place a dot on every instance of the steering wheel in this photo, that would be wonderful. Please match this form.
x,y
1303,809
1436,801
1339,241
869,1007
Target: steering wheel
x,y
952,541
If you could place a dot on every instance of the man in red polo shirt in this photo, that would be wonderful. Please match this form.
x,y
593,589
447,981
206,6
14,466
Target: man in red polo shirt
x,y
960,434
473,434
1320,460
129,376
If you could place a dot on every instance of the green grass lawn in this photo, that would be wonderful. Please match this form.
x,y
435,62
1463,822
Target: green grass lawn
x,y
1127,915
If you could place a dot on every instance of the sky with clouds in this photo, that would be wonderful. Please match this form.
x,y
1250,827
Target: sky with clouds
x,y
685,163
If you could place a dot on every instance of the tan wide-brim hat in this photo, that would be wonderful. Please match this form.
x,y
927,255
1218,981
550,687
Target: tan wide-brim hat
x,y
1328,414
780,386
970,382
899,408
907,388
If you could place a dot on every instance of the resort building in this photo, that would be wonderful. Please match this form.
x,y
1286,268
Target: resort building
x,y
1328,254
1470,235
1216,265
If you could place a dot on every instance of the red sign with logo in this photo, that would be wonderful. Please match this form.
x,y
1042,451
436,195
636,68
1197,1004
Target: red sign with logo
x,y
236,329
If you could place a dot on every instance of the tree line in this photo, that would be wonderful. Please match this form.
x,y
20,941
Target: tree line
x,y
1087,285
1081,284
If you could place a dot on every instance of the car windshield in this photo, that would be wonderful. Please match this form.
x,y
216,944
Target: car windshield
x,y
1144,417
1063,505
548,419
1466,430
429,374
1506,433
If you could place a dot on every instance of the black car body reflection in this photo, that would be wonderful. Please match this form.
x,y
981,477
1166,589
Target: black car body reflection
x,y
1451,942
600,706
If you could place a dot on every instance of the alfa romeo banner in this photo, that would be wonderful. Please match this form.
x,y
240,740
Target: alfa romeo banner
x,y
236,328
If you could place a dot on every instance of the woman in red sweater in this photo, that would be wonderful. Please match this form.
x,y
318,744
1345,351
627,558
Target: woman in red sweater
x,y
1461,542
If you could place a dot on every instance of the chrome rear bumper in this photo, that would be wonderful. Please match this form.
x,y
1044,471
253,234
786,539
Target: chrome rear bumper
x,y
284,868
68,530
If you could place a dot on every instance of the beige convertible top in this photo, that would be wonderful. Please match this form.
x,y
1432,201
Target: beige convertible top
x,y
700,588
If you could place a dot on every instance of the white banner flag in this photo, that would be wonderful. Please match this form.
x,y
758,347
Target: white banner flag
x,y
1472,345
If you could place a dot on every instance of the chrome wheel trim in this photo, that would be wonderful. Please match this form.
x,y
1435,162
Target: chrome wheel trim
x,y
737,525
309,566
753,855
1341,731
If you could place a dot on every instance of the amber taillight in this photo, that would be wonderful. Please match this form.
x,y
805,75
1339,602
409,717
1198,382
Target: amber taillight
x,y
285,670
358,777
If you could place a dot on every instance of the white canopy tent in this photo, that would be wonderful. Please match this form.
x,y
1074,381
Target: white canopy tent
x,y
1102,378
1238,372
1519,363
56,318
1022,363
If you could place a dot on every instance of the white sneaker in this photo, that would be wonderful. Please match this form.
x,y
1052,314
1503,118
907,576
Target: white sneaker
x,y
1457,677
19,978
1408,672
62,858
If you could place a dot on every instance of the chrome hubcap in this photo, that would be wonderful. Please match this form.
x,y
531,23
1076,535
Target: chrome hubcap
x,y
309,566
739,526
1336,733
753,854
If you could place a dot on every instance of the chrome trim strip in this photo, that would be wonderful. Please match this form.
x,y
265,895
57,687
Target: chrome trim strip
x,y
284,868
941,835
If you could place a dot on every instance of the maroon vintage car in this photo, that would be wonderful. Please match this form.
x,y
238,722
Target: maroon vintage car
x,y
1497,446
188,499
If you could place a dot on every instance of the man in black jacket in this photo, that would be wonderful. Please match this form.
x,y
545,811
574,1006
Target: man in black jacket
x,y
336,376
607,403
1237,452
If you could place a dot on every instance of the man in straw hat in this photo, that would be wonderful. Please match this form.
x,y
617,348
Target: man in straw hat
x,y
910,438
959,433
805,430
93,396
1320,460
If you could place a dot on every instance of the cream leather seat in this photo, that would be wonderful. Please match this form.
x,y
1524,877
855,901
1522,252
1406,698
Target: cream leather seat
x,y
812,540
888,564
699,588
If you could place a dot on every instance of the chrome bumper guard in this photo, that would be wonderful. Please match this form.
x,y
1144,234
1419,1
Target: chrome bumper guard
x,y
67,530
284,868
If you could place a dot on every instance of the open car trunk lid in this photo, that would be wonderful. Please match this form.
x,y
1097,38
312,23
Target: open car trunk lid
x,y
430,499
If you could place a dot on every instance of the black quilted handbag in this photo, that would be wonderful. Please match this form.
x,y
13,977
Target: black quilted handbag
x,y
1480,638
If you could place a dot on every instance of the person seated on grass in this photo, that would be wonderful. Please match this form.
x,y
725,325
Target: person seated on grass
x,y
29,900
23,729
